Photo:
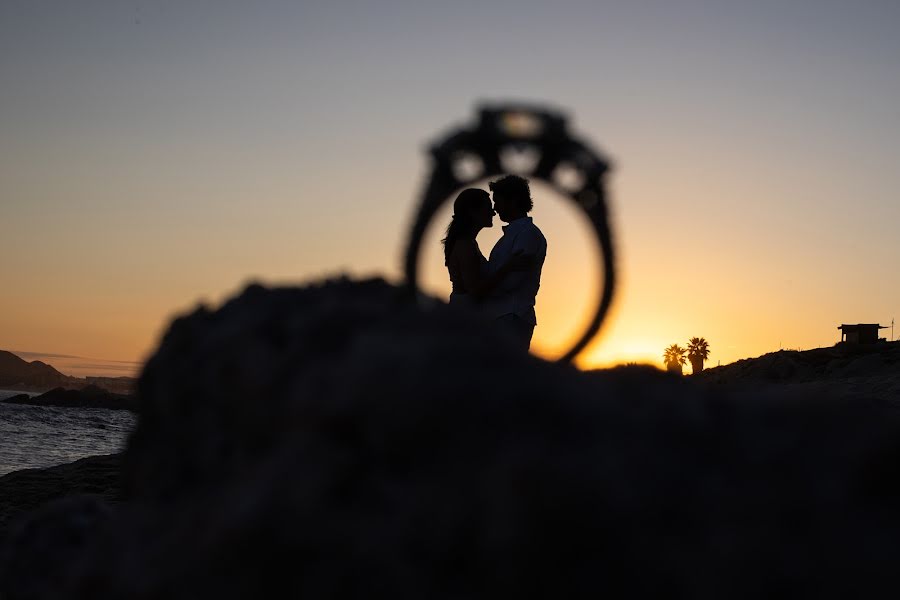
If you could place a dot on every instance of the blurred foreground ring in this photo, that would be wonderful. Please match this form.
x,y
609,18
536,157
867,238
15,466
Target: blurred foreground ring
x,y
535,144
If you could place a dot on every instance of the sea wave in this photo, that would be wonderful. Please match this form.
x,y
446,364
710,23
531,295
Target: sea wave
x,y
43,436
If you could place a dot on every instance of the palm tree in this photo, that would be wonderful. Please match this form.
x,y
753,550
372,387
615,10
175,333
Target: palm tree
x,y
674,358
697,352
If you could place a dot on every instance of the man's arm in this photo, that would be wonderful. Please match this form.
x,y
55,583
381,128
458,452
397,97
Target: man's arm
x,y
529,243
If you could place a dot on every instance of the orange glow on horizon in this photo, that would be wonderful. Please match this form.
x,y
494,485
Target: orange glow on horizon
x,y
641,351
751,207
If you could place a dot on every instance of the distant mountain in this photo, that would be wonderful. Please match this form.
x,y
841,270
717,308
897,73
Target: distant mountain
x,y
37,376
20,374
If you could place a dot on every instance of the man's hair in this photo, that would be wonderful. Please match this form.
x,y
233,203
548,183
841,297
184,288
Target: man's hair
x,y
516,189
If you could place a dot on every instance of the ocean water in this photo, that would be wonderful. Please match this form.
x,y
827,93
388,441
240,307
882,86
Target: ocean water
x,y
38,437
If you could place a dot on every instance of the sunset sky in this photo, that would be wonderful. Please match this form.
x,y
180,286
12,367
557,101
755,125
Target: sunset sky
x,y
154,155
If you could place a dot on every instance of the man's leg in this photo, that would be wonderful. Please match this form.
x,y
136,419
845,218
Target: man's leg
x,y
520,329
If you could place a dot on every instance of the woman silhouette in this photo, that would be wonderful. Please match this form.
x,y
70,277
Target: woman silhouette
x,y
468,268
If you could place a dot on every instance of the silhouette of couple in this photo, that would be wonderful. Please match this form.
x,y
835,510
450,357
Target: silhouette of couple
x,y
504,286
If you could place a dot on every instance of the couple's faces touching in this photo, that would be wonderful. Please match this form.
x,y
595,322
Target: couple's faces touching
x,y
483,213
502,207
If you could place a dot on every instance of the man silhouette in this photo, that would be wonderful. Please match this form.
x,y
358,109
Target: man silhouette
x,y
512,301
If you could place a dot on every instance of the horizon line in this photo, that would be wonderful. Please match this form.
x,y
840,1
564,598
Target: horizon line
x,y
28,354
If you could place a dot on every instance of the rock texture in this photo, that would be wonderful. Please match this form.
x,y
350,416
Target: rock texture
x,y
26,490
342,441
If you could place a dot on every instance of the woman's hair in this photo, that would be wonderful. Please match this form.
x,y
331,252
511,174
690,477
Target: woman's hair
x,y
462,222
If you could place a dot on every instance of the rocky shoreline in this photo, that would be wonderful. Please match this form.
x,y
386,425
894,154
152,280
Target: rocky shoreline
x,y
29,489
86,397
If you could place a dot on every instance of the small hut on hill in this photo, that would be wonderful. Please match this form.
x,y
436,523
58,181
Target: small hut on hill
x,y
861,333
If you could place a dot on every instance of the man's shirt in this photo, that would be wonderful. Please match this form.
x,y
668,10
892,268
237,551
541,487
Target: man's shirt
x,y
516,293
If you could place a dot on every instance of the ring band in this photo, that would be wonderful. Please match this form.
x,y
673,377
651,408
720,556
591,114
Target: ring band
x,y
539,140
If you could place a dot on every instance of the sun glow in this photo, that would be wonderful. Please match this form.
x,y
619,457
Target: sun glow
x,y
638,350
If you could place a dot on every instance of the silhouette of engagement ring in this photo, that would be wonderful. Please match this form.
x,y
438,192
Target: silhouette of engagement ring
x,y
535,144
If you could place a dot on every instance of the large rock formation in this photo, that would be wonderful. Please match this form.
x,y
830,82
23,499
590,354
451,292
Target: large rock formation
x,y
342,441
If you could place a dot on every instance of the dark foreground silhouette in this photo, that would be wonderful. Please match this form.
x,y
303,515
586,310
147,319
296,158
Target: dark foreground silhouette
x,y
337,441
